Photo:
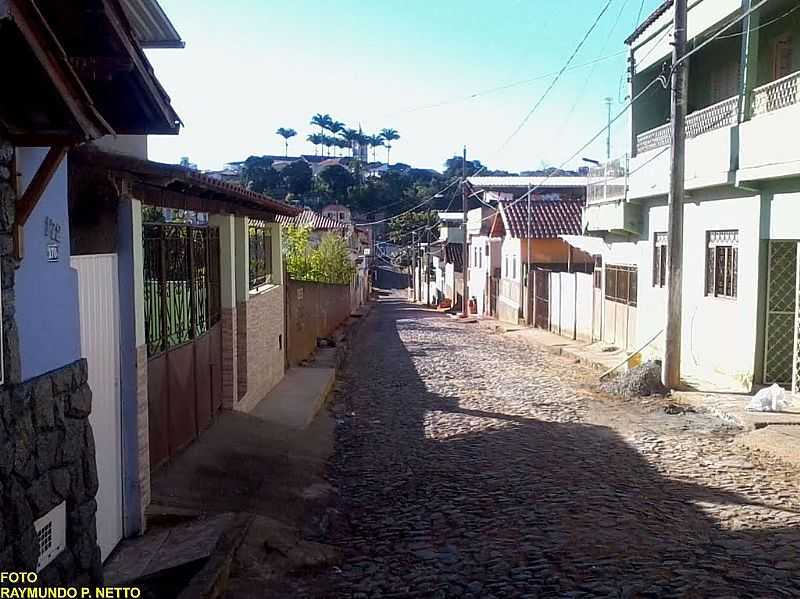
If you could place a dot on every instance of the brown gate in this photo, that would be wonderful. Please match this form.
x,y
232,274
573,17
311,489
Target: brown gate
x,y
541,291
494,290
183,333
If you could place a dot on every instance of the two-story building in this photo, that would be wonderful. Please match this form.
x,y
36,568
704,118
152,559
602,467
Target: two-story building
x,y
742,207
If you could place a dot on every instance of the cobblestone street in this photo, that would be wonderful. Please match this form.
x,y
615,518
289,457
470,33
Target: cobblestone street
x,y
472,465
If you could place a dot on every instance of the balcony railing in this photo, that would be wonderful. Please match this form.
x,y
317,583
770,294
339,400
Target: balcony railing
x,y
716,116
776,95
608,182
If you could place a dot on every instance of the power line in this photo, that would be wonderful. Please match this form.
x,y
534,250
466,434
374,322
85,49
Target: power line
x,y
558,76
762,25
499,88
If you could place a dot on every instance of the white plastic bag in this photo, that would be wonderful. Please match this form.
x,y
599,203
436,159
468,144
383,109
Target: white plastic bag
x,y
771,399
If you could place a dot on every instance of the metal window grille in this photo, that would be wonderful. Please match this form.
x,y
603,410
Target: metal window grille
x,y
622,284
660,260
260,238
722,263
181,283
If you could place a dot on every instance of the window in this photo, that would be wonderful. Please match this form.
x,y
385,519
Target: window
x,y
782,56
505,267
724,81
260,254
660,260
598,272
621,284
514,267
722,263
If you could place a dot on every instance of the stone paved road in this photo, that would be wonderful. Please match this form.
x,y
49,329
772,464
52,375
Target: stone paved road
x,y
471,465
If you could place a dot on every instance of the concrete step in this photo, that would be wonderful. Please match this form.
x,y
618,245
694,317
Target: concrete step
x,y
295,401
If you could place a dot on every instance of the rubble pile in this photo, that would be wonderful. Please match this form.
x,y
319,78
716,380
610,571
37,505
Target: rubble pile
x,y
642,381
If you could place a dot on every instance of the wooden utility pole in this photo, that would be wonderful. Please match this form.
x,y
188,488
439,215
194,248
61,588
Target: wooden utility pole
x,y
671,372
464,248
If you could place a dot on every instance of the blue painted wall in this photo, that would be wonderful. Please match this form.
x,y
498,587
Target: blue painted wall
x,y
46,292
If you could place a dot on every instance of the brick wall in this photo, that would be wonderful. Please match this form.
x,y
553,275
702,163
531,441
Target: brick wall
x,y
314,310
230,342
264,356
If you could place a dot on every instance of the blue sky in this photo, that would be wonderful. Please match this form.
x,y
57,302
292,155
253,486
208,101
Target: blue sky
x,y
251,67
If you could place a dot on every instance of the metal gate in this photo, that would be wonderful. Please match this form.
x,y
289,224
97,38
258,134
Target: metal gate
x,y
780,349
541,291
183,333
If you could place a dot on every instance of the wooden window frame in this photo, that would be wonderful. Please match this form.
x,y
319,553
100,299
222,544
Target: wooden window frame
x,y
783,39
660,252
260,268
722,264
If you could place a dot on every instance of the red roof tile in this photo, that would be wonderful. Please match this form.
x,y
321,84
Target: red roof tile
x,y
547,219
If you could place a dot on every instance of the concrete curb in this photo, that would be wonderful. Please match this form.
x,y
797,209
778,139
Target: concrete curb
x,y
211,581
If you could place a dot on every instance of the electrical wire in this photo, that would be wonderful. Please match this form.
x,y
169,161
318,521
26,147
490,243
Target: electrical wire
x,y
761,26
499,88
558,76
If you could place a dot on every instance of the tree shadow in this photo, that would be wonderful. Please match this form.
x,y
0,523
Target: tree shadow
x,y
439,499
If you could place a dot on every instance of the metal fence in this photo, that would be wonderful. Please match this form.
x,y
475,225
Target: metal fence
x,y
181,283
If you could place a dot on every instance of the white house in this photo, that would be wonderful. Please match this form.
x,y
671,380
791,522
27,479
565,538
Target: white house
x,y
485,233
742,210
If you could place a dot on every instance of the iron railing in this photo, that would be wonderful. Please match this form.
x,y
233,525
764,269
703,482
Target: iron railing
x,y
181,283
777,94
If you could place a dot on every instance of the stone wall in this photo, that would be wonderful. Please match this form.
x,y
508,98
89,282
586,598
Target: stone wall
x,y
47,450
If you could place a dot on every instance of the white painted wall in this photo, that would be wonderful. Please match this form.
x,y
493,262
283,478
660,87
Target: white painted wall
x,y
766,151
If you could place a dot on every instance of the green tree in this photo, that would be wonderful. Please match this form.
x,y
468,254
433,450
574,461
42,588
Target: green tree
x,y
351,136
316,139
258,175
286,134
423,222
389,135
374,141
337,180
328,263
452,167
298,177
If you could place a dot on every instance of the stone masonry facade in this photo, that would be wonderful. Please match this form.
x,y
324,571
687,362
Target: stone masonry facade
x,y
47,453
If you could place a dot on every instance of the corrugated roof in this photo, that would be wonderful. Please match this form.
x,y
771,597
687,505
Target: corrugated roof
x,y
649,21
541,182
150,24
545,220
314,220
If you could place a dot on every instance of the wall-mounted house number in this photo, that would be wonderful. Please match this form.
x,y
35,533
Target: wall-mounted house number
x,y
52,232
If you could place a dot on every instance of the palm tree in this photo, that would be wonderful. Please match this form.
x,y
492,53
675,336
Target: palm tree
x,y
389,135
322,121
328,142
342,144
316,139
286,134
374,141
351,136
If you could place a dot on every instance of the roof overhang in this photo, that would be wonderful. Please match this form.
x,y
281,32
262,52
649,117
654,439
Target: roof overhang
x,y
174,186
79,74
150,24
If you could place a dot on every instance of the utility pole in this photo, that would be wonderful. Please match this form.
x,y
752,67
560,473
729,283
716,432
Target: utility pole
x,y
414,276
464,248
608,102
427,267
671,373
